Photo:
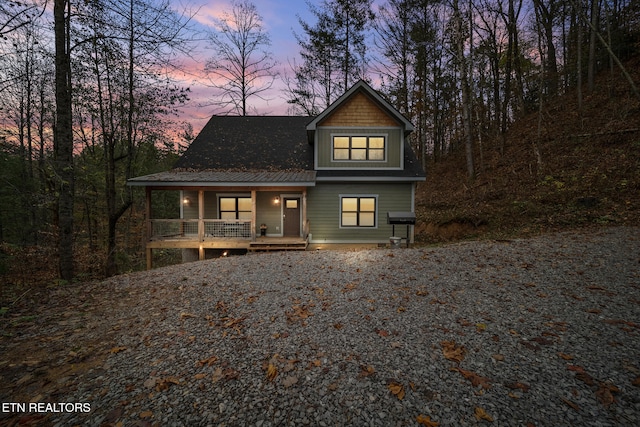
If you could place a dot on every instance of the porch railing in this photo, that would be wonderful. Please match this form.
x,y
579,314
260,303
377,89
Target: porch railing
x,y
189,229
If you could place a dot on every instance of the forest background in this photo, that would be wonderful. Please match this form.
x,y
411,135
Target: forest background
x,y
527,112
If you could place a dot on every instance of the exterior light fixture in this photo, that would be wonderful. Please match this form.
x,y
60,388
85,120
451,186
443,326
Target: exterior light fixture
x,y
186,201
276,200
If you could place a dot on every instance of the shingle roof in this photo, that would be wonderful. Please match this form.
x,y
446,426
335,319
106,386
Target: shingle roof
x,y
199,178
271,150
267,143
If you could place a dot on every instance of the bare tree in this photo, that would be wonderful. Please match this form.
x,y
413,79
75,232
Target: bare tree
x,y
241,67
17,14
460,33
63,138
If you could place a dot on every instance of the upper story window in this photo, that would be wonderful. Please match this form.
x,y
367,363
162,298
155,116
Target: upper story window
x,y
359,148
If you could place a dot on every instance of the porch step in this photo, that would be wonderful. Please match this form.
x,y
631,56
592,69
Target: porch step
x,y
278,246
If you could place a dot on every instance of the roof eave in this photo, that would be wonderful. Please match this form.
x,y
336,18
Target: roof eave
x,y
179,184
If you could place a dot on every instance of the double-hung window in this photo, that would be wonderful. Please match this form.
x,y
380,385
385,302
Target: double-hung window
x,y
358,211
235,207
359,148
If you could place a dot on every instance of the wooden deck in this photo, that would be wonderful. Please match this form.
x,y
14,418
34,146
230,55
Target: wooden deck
x,y
278,244
260,244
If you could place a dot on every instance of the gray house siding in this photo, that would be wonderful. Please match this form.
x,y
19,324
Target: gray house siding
x,y
324,211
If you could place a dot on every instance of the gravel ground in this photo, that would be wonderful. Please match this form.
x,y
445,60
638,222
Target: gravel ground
x,y
534,332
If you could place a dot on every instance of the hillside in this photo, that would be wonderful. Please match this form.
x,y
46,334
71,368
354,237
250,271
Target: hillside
x,y
589,174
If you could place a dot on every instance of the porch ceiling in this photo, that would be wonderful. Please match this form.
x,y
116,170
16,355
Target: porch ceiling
x,y
210,178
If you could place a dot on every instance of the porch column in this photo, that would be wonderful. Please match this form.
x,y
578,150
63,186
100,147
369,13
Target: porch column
x,y
200,224
305,230
254,215
148,227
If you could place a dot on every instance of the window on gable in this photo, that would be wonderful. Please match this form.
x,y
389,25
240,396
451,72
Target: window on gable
x,y
357,211
235,207
358,148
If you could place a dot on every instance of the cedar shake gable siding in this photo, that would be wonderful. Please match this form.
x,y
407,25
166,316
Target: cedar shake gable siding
x,y
359,111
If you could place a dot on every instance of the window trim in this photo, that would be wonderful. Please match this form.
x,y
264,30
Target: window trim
x,y
358,196
350,148
232,196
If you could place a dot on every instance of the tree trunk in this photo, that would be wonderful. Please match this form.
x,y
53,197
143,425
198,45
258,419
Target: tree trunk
x,y
466,95
63,139
591,70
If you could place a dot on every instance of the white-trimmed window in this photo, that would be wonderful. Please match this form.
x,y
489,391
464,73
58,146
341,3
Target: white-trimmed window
x,y
235,207
359,148
358,211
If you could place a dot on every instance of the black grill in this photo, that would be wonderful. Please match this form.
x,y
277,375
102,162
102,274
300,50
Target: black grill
x,y
401,218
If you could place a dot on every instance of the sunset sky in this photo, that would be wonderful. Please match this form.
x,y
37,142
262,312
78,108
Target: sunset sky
x,y
280,20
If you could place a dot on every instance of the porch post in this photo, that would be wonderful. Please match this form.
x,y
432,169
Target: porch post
x,y
305,230
200,224
254,215
149,229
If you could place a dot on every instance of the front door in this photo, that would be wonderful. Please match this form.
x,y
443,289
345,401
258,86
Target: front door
x,y
291,217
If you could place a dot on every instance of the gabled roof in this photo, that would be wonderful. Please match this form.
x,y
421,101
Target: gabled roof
x,y
361,87
273,150
244,143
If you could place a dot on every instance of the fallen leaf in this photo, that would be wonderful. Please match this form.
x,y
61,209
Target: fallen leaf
x,y
272,372
299,312
476,380
382,332
230,374
518,385
289,381
480,414
146,414
115,350
217,374
425,420
210,361
366,371
396,389
150,383
230,322
571,404
452,352
165,383
481,327
636,382
605,394
581,374
199,376
184,315
498,357
565,356
333,386
349,287
291,365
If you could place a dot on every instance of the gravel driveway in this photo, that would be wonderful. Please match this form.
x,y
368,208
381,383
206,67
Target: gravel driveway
x,y
542,331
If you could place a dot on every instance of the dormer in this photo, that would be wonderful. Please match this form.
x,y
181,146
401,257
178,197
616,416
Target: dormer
x,y
359,131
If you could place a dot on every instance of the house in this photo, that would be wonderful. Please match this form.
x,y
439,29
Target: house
x,y
264,182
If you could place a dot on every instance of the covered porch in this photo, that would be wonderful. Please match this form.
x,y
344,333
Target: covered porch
x,y
244,213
